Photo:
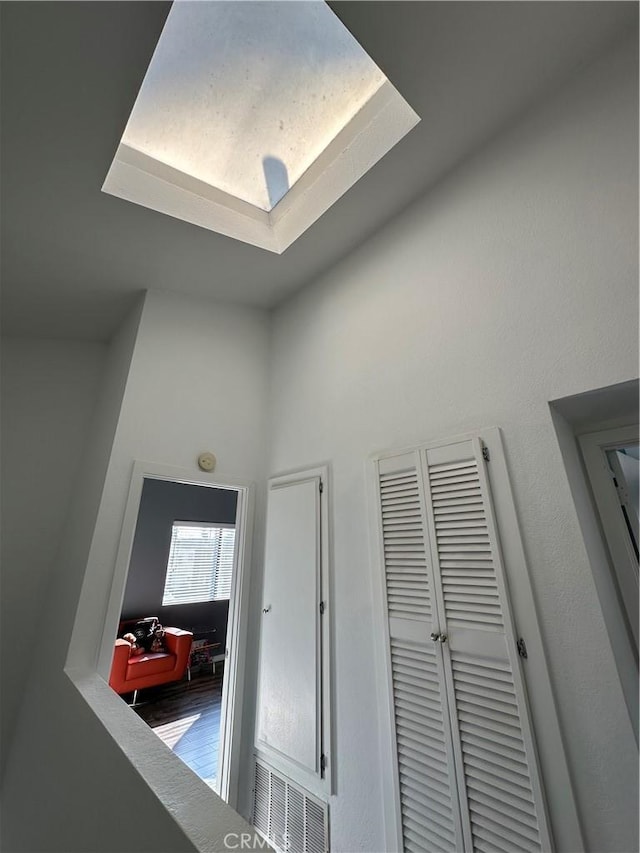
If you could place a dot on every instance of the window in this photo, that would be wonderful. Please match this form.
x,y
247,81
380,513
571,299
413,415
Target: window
x,y
200,565
254,118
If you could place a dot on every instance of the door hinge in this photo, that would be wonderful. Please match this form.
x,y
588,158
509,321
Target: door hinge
x,y
522,648
485,453
323,763
321,487
322,608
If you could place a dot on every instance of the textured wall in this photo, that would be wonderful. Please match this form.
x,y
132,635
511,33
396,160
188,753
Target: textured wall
x,y
514,282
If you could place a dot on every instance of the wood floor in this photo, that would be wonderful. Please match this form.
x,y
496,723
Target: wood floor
x,y
186,716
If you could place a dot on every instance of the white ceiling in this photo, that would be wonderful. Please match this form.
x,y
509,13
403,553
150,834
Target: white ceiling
x,y
73,258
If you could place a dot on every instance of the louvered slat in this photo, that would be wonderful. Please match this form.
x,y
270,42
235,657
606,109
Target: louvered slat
x,y
497,773
463,546
424,770
502,807
404,548
428,806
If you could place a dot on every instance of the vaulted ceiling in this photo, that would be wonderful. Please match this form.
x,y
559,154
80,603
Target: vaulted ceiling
x,y
73,258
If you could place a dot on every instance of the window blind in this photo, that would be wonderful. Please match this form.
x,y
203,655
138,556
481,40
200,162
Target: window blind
x,y
200,565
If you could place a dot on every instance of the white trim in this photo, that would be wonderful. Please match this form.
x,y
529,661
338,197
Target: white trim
x,y
204,818
623,558
596,551
236,649
233,686
372,132
560,800
391,805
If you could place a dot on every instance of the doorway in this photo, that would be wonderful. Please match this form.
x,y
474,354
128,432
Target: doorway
x,y
180,616
612,462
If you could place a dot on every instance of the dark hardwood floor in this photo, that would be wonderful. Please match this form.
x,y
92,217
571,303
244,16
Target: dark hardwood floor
x,y
186,716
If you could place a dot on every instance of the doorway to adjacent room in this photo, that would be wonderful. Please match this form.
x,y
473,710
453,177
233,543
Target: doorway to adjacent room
x,y
176,660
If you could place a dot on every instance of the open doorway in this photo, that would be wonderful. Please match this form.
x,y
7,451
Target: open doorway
x,y
176,657
612,461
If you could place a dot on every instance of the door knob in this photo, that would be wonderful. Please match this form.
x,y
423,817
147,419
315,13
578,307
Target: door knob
x,y
435,637
443,638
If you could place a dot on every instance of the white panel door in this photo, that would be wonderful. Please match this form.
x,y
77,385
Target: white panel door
x,y
290,649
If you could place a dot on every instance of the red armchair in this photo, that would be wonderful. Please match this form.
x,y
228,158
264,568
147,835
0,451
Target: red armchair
x,y
130,674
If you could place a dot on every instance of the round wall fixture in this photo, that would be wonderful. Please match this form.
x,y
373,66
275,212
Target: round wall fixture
x,y
206,461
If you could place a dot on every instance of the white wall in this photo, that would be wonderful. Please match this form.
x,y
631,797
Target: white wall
x,y
184,376
49,389
513,283
66,786
199,381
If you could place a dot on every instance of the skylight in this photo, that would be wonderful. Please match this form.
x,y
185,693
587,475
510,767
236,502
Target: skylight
x,y
251,110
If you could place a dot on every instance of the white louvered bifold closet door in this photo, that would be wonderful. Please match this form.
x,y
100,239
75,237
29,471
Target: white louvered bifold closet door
x,y
469,655
426,774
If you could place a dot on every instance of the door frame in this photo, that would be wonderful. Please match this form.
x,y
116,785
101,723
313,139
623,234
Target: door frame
x,y
229,750
624,564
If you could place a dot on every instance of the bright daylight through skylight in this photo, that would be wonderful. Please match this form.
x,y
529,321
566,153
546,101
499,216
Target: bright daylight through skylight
x,y
244,99
241,100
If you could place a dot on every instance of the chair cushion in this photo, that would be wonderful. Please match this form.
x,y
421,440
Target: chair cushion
x,y
150,664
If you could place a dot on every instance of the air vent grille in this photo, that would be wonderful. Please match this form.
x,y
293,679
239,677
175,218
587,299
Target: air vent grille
x,y
288,816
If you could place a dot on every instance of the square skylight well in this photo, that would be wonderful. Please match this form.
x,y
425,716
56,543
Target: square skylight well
x,y
254,118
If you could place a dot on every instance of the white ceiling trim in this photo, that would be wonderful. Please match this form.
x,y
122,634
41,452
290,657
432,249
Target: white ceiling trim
x,y
373,131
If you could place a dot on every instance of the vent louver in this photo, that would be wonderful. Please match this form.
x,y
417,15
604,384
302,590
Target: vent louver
x,y
288,816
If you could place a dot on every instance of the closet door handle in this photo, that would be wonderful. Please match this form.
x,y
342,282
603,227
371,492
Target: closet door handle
x,y
443,638
435,637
